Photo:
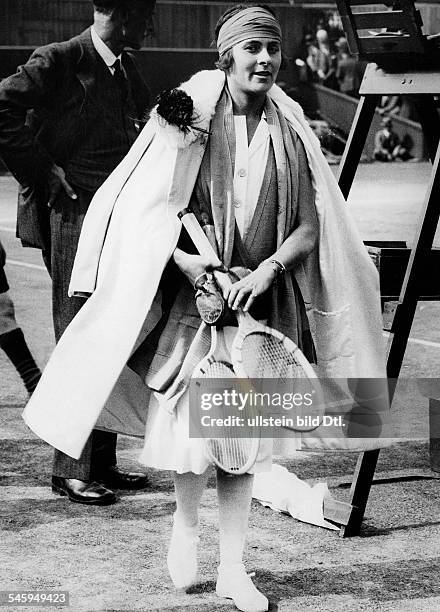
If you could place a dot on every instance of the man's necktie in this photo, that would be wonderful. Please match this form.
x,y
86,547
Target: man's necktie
x,y
120,80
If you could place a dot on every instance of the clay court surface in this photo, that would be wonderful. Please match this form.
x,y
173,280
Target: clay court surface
x,y
113,559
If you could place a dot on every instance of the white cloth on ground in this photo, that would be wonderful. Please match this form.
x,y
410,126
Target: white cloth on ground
x,y
285,492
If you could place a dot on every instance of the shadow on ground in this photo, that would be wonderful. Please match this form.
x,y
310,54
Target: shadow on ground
x,y
378,582
28,462
18,515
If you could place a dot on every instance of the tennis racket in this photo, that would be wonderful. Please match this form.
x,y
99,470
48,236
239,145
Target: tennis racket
x,y
261,352
236,450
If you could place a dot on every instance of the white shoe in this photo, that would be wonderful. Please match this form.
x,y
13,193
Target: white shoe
x,y
182,556
234,583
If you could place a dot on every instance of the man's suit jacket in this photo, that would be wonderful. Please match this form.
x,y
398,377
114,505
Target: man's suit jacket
x,y
44,109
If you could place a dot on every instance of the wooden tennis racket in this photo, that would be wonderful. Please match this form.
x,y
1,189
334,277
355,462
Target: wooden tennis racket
x,y
259,351
236,450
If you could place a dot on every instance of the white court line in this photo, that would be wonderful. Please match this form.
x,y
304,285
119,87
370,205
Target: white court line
x,y
424,342
23,264
417,341
14,262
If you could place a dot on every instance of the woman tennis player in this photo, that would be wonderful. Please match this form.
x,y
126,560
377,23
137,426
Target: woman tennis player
x,y
242,151
250,166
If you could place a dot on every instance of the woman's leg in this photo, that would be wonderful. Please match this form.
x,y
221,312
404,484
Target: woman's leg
x,y
182,553
189,489
234,497
234,503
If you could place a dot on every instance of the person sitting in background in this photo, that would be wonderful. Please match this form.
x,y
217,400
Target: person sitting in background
x,y
12,340
389,105
387,144
403,106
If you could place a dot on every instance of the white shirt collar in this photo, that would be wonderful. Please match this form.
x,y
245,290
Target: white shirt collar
x,y
102,50
261,133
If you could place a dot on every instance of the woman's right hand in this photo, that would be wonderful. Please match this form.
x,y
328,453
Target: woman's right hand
x,y
193,266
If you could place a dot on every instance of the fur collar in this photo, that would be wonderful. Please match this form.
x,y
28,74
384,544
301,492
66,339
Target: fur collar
x,y
205,88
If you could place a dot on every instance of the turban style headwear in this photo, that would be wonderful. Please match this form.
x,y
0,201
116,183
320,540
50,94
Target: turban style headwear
x,y
249,23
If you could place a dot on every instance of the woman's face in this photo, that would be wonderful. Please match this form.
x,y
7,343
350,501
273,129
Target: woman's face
x,y
255,66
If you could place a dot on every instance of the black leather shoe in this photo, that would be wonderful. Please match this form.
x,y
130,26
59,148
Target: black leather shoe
x,y
118,479
82,492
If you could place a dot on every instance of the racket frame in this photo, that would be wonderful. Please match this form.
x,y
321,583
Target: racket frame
x,y
200,372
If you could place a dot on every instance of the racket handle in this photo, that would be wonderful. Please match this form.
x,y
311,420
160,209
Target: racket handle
x,y
202,244
209,232
197,235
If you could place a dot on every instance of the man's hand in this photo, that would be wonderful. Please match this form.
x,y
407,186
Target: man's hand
x,y
56,182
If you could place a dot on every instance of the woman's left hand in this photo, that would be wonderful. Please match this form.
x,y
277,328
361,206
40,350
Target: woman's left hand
x,y
243,293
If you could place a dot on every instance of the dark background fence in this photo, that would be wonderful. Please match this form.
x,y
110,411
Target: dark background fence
x,y
181,24
184,27
180,46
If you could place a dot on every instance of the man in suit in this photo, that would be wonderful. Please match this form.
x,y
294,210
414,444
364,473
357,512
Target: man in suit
x,y
67,118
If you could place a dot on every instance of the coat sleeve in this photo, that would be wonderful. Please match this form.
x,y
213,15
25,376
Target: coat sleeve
x,y
31,87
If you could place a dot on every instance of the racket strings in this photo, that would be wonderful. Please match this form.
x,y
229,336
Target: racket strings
x,y
233,450
231,453
265,356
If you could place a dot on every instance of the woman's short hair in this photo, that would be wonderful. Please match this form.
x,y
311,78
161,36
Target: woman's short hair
x,y
227,59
